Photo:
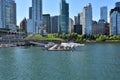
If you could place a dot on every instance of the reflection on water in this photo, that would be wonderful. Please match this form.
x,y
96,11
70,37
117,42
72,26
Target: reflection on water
x,y
91,62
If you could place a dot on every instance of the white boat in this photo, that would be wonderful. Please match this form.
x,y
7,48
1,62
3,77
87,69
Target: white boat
x,y
53,47
58,47
71,44
64,46
49,44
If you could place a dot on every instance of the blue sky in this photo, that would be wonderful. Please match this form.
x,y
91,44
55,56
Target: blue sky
x,y
52,7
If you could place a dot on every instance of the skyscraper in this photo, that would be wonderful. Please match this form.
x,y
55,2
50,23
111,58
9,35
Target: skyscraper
x,y
103,13
47,22
78,29
94,27
2,13
71,25
115,20
30,12
75,20
86,20
37,15
55,24
117,4
30,28
8,14
79,18
101,26
64,17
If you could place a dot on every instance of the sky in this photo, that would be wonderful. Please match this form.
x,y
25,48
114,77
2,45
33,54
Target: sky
x,y
75,7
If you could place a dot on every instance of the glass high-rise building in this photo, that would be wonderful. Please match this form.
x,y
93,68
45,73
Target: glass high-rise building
x,y
71,25
8,14
47,22
55,24
30,12
30,22
64,17
75,20
117,4
103,13
2,13
86,20
37,15
115,20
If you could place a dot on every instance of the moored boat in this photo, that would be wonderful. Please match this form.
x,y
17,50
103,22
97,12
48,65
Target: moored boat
x,y
64,46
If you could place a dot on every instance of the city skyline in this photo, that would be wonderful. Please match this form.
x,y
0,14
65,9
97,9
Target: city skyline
x,y
23,11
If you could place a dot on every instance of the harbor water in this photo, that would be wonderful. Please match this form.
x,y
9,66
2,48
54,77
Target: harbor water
x,y
98,61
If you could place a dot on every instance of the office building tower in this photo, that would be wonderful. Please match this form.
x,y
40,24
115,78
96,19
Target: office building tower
x,y
8,14
64,17
29,26
107,29
75,20
103,13
101,26
115,20
94,27
47,22
37,16
79,18
117,4
2,13
30,12
86,20
71,25
78,29
55,24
